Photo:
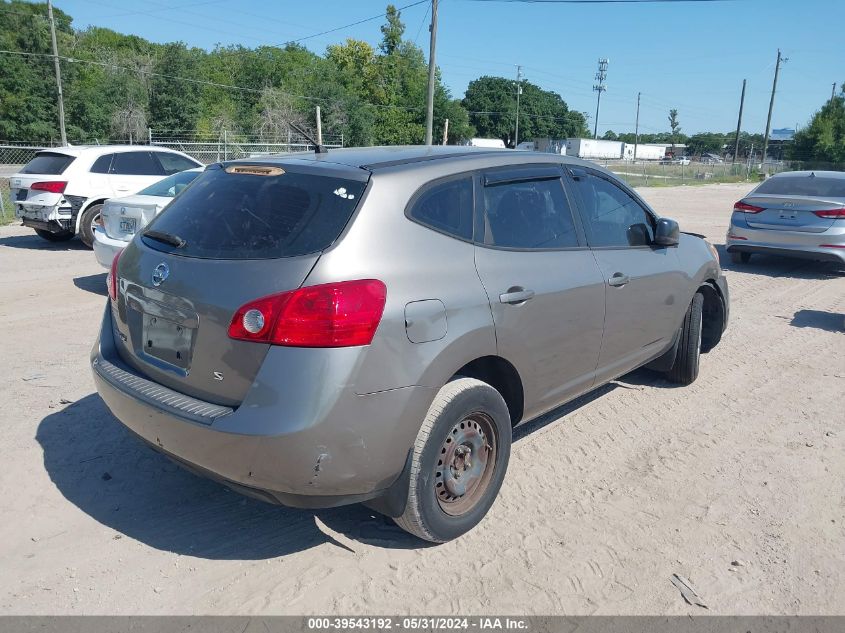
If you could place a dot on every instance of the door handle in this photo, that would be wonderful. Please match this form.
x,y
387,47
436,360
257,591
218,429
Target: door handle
x,y
618,279
516,295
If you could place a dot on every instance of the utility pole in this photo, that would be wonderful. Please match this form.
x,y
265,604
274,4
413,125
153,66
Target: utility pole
x,y
637,128
772,104
429,101
319,128
445,131
58,72
601,75
518,92
739,121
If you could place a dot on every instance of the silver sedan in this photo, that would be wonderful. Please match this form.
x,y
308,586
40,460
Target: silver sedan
x,y
798,214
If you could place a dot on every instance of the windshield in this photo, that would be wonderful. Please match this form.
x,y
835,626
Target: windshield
x,y
256,212
170,186
819,186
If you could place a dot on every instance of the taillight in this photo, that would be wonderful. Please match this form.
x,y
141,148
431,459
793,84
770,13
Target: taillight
x,y
744,207
831,214
342,314
52,186
111,278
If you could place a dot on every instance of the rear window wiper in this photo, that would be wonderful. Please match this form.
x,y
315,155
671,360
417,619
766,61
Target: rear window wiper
x,y
167,238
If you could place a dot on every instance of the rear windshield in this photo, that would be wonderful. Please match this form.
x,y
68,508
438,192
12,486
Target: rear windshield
x,y
171,185
47,163
229,215
804,186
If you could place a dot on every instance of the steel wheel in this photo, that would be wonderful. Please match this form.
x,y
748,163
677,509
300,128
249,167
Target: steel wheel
x,y
465,465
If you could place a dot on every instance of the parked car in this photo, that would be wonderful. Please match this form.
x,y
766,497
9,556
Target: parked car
x,y
121,218
682,160
60,192
368,325
711,159
799,214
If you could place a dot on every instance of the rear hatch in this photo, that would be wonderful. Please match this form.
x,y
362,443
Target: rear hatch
x,y
123,217
241,231
791,213
45,172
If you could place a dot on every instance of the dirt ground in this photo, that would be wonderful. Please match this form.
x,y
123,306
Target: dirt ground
x,y
735,483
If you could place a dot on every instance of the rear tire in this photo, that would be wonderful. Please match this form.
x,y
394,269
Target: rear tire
x,y
740,258
62,236
86,224
688,357
458,462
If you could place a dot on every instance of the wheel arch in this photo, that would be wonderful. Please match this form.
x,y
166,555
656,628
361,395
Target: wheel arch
x,y
88,204
713,315
503,377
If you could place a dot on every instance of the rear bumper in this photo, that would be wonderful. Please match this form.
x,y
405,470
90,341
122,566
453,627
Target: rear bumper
x,y
52,226
302,448
804,244
105,247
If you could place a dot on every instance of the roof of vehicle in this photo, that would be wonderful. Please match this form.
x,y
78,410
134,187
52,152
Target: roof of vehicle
x,y
77,150
374,158
808,173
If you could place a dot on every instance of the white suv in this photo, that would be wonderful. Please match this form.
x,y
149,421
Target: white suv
x,y
61,190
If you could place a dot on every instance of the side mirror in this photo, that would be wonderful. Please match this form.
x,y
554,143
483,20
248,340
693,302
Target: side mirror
x,y
667,232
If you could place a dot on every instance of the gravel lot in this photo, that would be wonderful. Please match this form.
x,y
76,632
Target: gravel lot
x,y
735,483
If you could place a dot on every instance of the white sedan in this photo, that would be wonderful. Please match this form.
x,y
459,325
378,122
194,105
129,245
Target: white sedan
x,y
121,218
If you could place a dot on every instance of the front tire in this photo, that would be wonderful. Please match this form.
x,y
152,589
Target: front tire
x,y
688,357
62,236
87,222
458,462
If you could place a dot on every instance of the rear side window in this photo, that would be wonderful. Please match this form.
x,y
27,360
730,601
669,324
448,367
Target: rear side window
x,y
820,186
102,164
225,215
446,207
529,214
173,163
135,164
48,163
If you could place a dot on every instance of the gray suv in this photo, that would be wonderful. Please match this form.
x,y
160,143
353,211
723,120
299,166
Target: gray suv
x,y
368,325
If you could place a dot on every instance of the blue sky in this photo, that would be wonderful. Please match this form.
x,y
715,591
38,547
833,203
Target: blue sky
x,y
691,56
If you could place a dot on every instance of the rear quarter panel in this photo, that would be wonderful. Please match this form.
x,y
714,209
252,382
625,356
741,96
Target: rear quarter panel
x,y
416,264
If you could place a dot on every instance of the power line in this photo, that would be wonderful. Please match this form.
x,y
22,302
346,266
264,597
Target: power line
x,y
346,26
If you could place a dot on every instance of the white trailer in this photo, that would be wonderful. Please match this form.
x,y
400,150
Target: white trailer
x,y
645,151
594,148
486,142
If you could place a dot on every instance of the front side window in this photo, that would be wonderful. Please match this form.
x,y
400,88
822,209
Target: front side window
x,y
528,214
446,207
611,216
135,164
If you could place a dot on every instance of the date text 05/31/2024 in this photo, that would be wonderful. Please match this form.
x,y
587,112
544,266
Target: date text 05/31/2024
x,y
417,623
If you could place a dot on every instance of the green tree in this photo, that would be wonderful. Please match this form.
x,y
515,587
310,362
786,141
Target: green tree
x,y
610,135
674,126
391,31
174,102
491,103
823,139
